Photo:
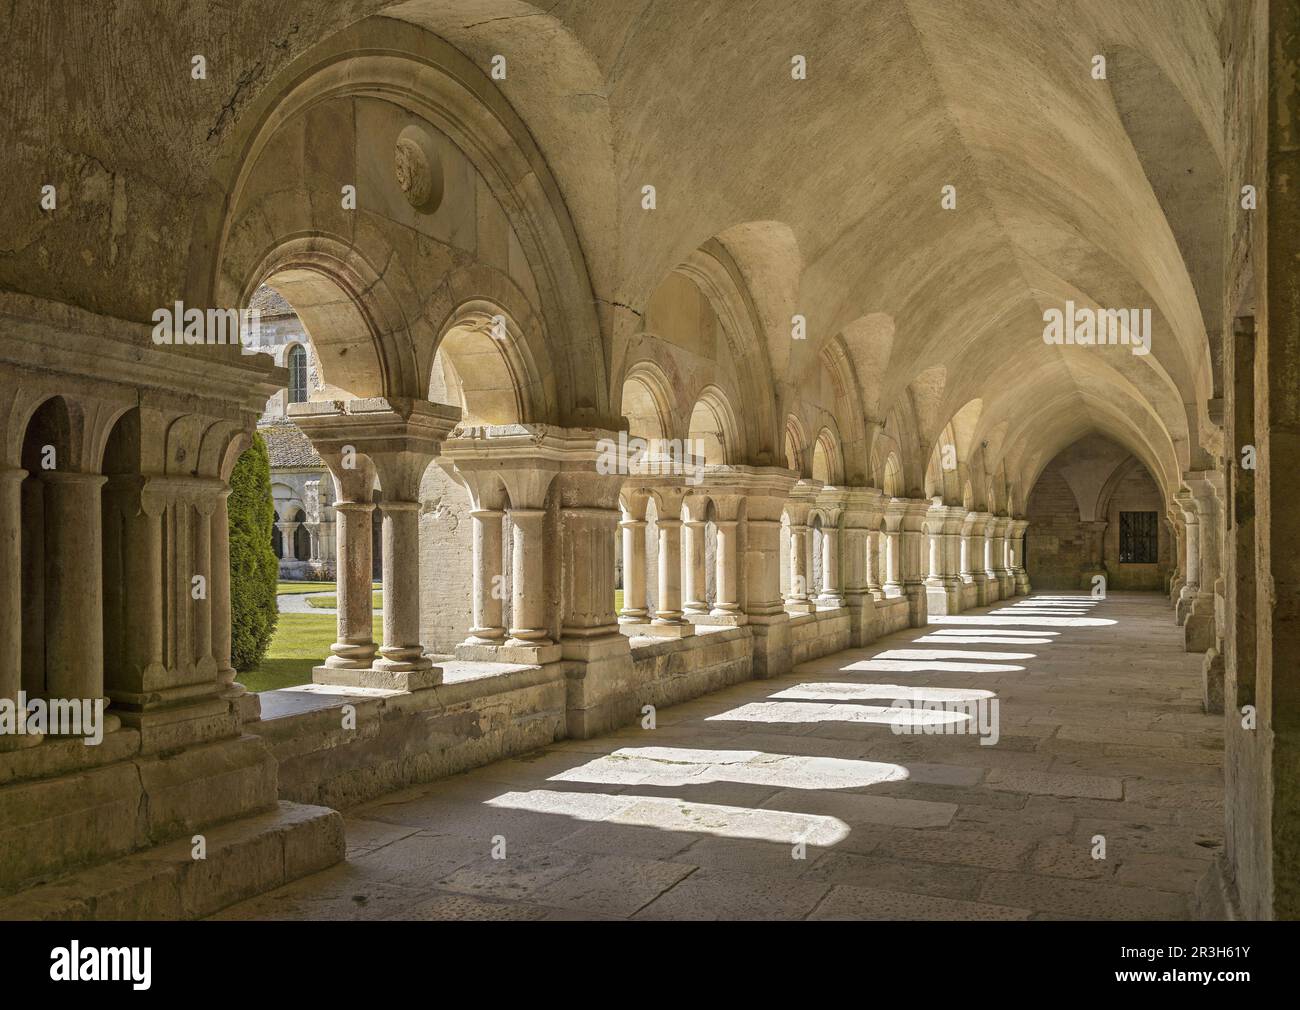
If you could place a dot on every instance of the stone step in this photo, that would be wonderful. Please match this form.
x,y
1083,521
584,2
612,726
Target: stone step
x,y
244,857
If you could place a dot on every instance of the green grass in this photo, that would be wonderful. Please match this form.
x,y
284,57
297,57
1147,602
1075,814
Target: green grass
x,y
283,588
331,601
301,642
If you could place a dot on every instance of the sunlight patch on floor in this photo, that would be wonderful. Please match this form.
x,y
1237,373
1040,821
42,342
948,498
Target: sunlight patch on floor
x,y
671,814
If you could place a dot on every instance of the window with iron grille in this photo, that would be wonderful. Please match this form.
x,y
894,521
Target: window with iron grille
x,y
297,374
1137,538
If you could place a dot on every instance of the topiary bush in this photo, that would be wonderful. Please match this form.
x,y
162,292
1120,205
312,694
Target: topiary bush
x,y
254,568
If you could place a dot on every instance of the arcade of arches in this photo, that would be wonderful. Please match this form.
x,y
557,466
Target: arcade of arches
x,y
817,300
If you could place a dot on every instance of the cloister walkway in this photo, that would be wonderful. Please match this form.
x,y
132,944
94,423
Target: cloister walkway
x,y
796,798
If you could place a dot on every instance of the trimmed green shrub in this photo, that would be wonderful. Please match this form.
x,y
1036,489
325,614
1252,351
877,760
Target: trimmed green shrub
x,y
254,568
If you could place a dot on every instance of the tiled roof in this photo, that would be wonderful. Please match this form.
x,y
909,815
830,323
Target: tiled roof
x,y
287,446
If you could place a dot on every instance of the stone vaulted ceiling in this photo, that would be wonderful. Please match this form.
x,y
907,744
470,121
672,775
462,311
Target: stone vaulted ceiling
x,y
824,192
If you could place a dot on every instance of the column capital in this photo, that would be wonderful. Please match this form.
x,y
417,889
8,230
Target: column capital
x,y
394,439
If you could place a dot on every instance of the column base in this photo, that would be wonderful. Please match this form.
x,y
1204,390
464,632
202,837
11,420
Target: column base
x,y
721,618
682,630
800,607
375,677
508,652
942,600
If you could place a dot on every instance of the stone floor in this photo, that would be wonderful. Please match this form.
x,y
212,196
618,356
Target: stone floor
x,y
707,815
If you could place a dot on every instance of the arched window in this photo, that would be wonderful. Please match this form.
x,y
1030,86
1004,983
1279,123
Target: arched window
x,y
297,374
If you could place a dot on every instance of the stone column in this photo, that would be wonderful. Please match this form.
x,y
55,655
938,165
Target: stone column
x,y
220,586
401,651
976,527
528,601
1206,616
289,540
694,603
1191,597
1017,552
893,536
875,573
766,491
1178,579
797,601
911,514
942,526
726,559
726,603
11,597
598,657
998,556
668,620
831,588
861,519
355,647
488,578
633,526
74,631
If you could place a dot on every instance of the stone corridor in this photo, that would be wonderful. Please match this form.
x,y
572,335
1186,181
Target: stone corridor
x,y
1101,735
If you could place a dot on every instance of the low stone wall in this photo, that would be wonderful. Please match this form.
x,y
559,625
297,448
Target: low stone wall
x,y
482,713
673,670
815,635
891,615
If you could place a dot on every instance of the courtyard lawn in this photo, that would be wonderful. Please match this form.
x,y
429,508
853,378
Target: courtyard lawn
x,y
285,588
301,641
331,601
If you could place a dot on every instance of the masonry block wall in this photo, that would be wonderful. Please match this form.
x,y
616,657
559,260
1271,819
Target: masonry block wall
x,y
1137,492
1056,542
1074,519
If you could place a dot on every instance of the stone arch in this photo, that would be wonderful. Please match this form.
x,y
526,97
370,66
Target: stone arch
x,y
422,81
648,401
796,446
892,481
483,364
713,425
827,460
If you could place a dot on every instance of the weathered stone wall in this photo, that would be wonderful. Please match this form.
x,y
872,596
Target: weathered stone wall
x,y
672,671
1056,544
1087,485
815,635
404,738
1137,492
446,576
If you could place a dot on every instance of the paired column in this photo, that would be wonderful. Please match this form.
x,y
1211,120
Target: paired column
x,y
392,441
797,599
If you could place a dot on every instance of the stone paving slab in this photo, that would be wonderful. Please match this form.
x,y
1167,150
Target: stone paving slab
x,y
796,798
